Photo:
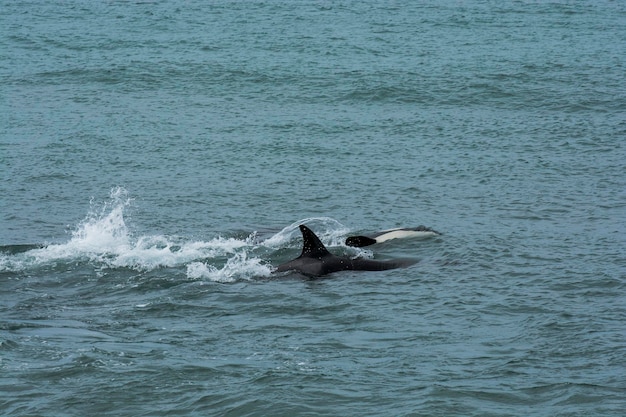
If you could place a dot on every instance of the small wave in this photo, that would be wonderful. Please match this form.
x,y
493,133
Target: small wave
x,y
103,237
330,231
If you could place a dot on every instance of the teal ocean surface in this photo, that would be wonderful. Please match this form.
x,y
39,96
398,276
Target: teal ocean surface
x,y
157,157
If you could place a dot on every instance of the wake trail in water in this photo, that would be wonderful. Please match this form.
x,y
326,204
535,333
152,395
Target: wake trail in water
x,y
104,241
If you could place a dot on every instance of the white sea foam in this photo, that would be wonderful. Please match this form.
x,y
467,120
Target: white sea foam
x,y
103,237
237,267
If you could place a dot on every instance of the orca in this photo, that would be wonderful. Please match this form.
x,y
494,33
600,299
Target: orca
x,y
385,235
315,260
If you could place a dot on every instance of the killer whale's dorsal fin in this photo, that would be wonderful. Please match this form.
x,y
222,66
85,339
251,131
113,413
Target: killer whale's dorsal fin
x,y
313,246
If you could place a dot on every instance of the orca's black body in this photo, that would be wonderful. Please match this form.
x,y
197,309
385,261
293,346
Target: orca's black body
x,y
315,260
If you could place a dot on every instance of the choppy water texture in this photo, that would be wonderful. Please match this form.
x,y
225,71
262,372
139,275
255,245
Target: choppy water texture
x,y
157,157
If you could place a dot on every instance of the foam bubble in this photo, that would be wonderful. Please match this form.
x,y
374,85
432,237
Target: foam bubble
x,y
237,267
152,252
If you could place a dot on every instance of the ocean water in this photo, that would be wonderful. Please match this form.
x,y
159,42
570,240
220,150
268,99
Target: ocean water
x,y
156,158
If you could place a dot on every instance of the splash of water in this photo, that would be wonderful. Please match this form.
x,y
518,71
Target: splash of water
x,y
329,230
236,268
103,231
104,238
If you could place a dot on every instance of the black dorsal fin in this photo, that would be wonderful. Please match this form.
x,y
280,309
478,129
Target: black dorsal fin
x,y
313,246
